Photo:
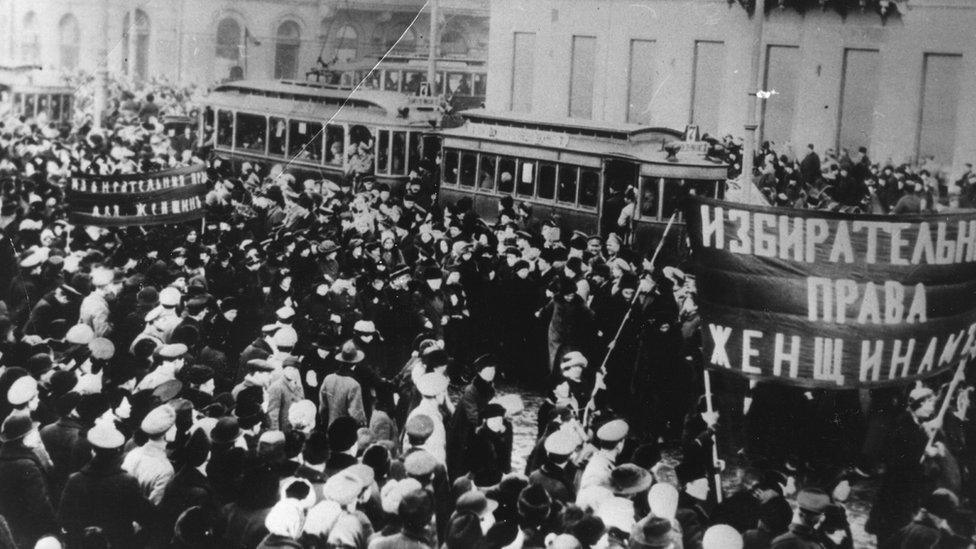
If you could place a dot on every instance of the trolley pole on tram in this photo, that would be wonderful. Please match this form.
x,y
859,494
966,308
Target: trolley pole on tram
x,y
101,72
755,84
432,50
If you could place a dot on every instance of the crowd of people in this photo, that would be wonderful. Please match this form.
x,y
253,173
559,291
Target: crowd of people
x,y
316,365
849,182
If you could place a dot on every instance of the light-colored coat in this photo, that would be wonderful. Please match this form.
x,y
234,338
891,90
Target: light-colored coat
x,y
152,469
342,396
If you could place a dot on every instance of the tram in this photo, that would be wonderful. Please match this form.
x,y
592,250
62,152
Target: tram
x,y
319,129
568,167
463,82
35,94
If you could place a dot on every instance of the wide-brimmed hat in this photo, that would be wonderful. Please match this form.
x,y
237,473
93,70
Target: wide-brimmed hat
x,y
350,353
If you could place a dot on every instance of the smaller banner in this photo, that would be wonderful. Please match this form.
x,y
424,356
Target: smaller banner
x,y
829,300
156,198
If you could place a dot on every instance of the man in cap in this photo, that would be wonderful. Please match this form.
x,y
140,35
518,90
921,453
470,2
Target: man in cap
x,y
351,528
199,385
609,440
149,463
24,500
104,495
415,512
343,445
433,391
169,319
258,375
811,503
261,347
170,359
694,510
557,474
467,414
341,395
94,308
59,303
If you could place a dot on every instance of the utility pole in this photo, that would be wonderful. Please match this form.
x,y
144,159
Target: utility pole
x,y
755,83
432,50
101,73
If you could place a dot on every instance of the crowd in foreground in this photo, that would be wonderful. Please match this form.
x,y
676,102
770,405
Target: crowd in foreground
x,y
316,364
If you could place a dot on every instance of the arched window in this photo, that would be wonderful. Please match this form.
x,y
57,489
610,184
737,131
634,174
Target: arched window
x,y
30,46
453,43
229,38
287,43
407,43
135,38
347,43
68,39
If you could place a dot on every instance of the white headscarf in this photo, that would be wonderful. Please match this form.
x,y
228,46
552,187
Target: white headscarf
x,y
285,519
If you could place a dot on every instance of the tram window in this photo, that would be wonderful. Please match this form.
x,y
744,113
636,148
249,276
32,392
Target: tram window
x,y
225,129
547,180
278,136
415,150
480,84
44,105
469,167
383,152
440,83
398,160
56,107
649,197
567,183
362,148
66,107
589,187
412,81
506,175
30,105
305,140
251,131
672,196
391,80
704,187
17,99
334,141
526,182
486,180
450,166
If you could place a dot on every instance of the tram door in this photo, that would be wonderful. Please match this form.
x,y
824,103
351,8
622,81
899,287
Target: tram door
x,y
618,176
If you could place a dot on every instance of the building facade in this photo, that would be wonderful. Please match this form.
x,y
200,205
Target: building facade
x,y
895,85
205,41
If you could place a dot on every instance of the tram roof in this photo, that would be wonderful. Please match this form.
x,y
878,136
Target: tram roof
x,y
296,98
33,79
633,142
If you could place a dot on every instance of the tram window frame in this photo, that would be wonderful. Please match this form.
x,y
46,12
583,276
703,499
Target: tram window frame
x,y
441,78
415,150
452,167
520,183
566,168
387,79
309,142
398,153
56,107
239,124
487,160
479,86
67,107
30,105
420,76
654,183
707,188
499,171
221,114
669,204
44,105
596,190
383,151
328,157
468,175
18,100
546,183
274,138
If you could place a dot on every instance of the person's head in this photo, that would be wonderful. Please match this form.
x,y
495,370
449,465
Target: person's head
x,y
722,536
494,417
921,402
416,509
572,365
941,503
662,499
811,503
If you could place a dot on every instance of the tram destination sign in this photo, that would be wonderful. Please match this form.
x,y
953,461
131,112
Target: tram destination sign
x,y
821,299
152,198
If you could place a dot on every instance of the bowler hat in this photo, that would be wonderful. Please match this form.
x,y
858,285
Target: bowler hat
x,y
15,427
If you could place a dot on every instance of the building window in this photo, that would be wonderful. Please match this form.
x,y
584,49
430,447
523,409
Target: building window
x,y
523,71
68,39
453,43
581,77
135,39
229,39
859,90
30,46
287,43
640,91
940,97
778,110
707,85
347,43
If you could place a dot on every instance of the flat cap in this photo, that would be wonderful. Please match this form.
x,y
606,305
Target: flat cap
x,y
80,334
432,384
169,297
813,500
105,435
420,426
560,443
172,351
101,348
613,431
22,391
159,420
420,463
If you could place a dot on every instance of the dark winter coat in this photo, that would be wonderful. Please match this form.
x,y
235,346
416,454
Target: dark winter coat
x,y
24,495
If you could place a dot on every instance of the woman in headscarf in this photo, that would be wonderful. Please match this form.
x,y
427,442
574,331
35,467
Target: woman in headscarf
x,y
284,523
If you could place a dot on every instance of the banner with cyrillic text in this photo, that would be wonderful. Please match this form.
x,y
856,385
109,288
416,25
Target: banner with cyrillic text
x,y
154,198
822,299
